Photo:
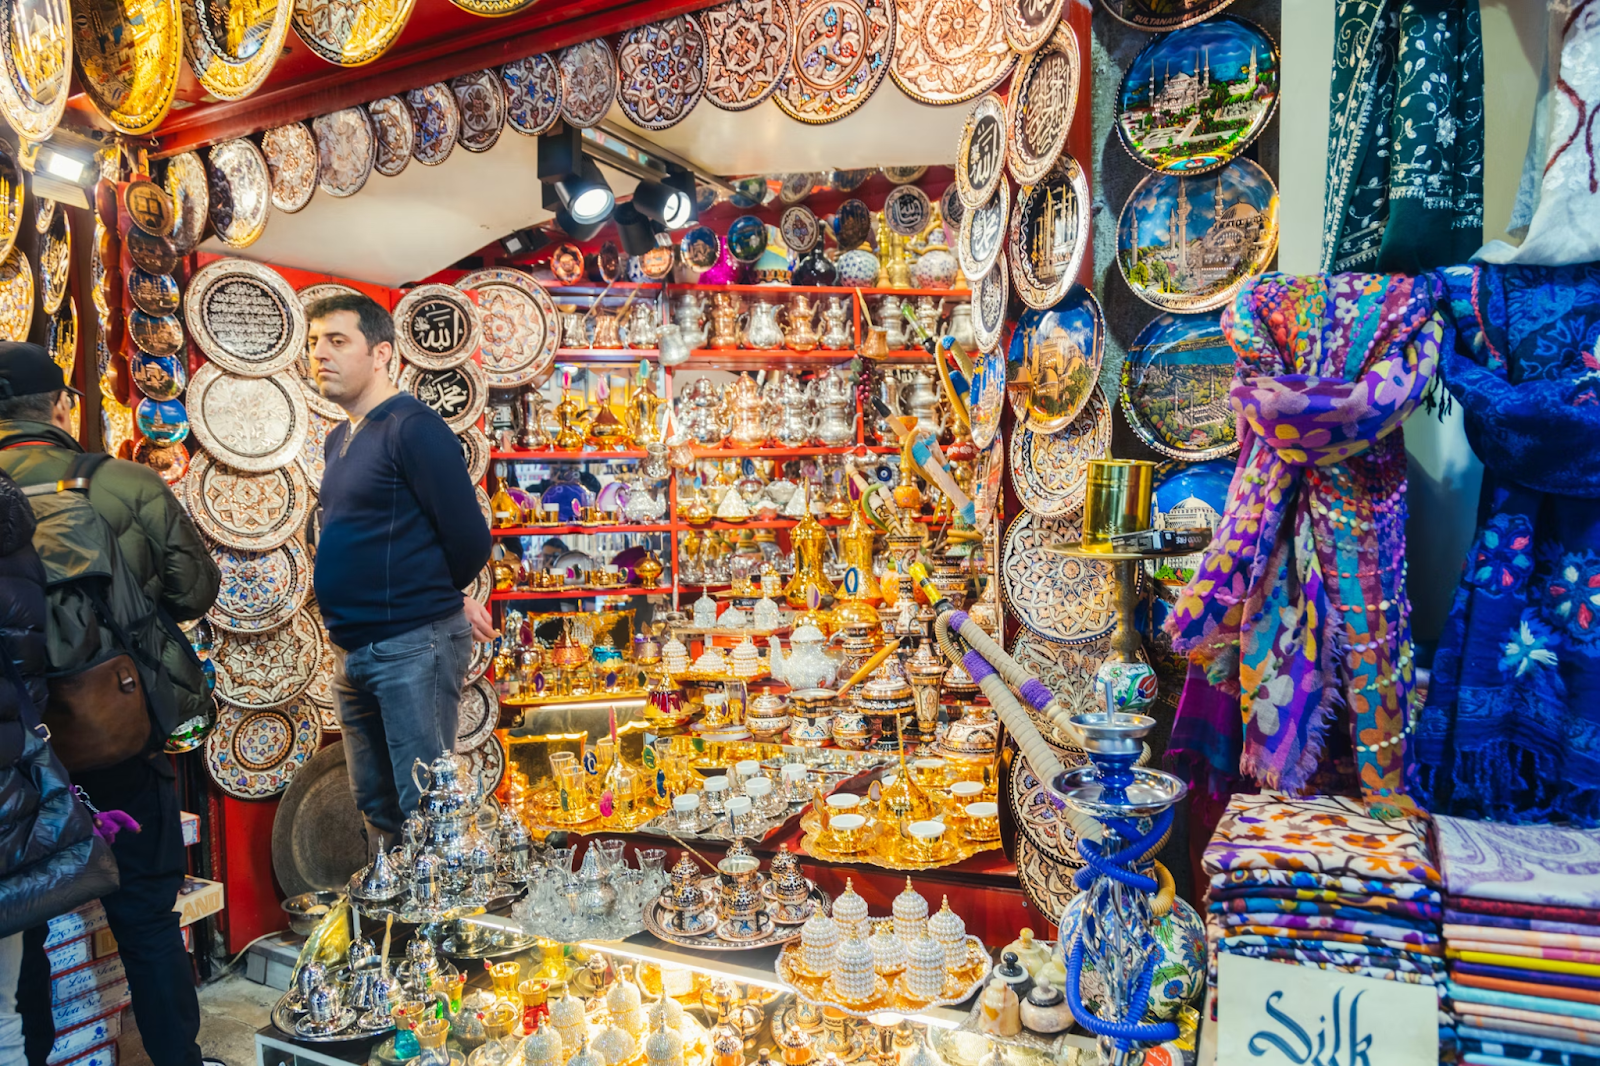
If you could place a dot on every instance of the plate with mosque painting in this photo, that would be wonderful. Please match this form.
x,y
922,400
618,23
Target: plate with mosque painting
x,y
1053,362
1049,234
11,197
1189,243
988,395
1175,386
1161,15
1193,100
35,65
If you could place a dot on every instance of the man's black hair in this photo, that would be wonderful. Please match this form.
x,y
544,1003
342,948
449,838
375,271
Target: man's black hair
x,y
376,324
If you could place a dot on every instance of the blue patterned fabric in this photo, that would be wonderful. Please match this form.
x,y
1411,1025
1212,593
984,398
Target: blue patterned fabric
x,y
1511,731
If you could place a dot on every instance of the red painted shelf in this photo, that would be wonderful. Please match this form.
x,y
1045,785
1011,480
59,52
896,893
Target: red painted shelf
x,y
575,593
554,456
551,531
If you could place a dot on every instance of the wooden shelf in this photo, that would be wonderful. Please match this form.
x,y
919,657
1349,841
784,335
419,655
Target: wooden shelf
x,y
554,531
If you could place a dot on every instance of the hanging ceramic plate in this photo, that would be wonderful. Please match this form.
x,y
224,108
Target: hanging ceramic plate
x,y
1053,363
848,180
482,104
981,152
474,452
171,461
11,197
437,119
436,327
55,264
232,44
518,329
661,71
749,192
487,763
128,55
268,669
988,396
154,294
852,224
700,248
291,155
1061,598
458,394
395,132
946,52
983,233
1194,99
1185,498
1160,15
245,317
1039,110
483,502
1050,471
1029,23
532,88
156,334
350,33
347,148
482,658
1175,386
154,254
318,403
478,715
747,51
907,211
320,691
838,54
795,188
1188,244
240,191
251,512
987,484
800,230
1049,234
37,33
588,82
61,337
313,457
147,205
991,299
254,424
261,590
44,213
252,754
16,296
952,211
492,8
481,587
160,377
162,421
747,238
186,184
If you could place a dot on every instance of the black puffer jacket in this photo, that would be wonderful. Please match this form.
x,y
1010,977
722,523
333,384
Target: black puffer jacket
x,y
50,860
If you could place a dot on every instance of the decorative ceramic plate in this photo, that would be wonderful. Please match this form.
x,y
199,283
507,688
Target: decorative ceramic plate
x,y
232,44
474,452
747,238
261,590
1175,386
1040,819
11,196
147,204
61,337
186,183
1050,471
291,154
1029,23
749,192
245,317
1049,234
396,133
313,458
156,334
1194,99
320,691
268,669
16,296
800,230
1161,15
482,657
747,51
478,715
1186,497
39,33
518,329
991,299
350,33
588,82
482,104
532,88
947,52
437,119
347,148
44,213
162,421
458,394
1053,363
661,71
128,55
838,54
160,377
1044,95
55,264
155,254
240,192
1226,230
318,403
1061,598
481,586
794,188
254,424
981,152
436,327
171,461
154,294
952,210
252,754
849,180
987,484
251,512
484,505
1046,881
700,248
907,211
852,224
487,762
983,233
492,8
988,396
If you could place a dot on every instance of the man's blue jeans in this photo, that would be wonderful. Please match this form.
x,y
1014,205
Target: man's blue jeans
x,y
399,700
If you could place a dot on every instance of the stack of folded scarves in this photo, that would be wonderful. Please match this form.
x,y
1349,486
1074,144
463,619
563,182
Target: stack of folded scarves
x,y
1522,935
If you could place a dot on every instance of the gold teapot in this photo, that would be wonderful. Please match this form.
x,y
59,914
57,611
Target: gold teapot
x,y
727,320
800,335
573,419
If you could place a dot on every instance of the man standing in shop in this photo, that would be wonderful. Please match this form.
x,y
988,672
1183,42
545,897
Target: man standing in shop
x,y
399,535
160,548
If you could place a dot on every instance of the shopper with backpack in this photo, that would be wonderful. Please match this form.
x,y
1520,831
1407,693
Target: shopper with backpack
x,y
125,565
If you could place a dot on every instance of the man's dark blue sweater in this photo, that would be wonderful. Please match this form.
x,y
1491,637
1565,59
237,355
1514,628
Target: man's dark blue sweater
x,y
401,532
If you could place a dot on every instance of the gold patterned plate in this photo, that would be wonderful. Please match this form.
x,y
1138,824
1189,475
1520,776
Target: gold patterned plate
x,y
947,52
1029,23
588,82
240,191
16,296
251,512
838,55
254,754
232,44
61,337
1049,234
981,152
318,403
492,8
1039,110
55,264
128,55
36,64
436,327
458,394
268,669
245,317
350,33
991,300
532,88
291,154
1050,471
12,195
347,148
254,424
747,51
661,71
983,233
519,331
261,590
482,104
435,123
189,188
396,133
1063,599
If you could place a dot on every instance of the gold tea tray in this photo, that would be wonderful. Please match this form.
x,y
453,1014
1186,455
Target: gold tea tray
x,y
884,848
889,994
702,677
656,918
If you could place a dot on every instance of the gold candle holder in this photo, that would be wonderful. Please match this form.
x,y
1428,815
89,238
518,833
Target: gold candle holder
x,y
1118,500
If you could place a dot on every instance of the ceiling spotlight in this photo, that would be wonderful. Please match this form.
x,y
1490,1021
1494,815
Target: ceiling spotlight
x,y
683,181
63,167
585,194
662,203
572,227
523,242
638,235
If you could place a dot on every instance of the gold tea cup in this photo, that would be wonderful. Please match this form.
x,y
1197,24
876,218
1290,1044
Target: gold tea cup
x,y
849,832
923,841
982,821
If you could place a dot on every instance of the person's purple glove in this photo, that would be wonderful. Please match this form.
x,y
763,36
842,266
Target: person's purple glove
x,y
107,824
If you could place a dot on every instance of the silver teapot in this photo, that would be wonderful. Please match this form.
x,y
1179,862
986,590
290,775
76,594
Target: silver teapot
x,y
690,318
675,341
836,422
836,325
644,325
889,319
763,332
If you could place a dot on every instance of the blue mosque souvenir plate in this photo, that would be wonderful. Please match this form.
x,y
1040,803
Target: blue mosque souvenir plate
x,y
1175,386
163,421
1048,234
988,396
1189,496
1194,99
1054,361
160,377
747,238
700,249
1189,243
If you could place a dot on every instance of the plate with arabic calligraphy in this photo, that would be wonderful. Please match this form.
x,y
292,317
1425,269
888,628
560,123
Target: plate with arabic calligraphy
x,y
588,82
1049,234
186,183
396,134
458,393
255,424
37,33
1053,363
291,155
154,254
268,669
55,264
532,88
907,211
1161,15
661,71
61,337
437,119
1175,386
482,104
240,191
1029,23
350,33
991,299
518,329
1065,599
245,317
947,51
838,55
747,51
253,754
232,44
1050,471
1227,231
1039,110
983,233
249,511
12,194
436,327
160,377
128,55
981,152
347,148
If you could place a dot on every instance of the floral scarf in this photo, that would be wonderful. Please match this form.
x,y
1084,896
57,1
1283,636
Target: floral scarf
x,y
1298,606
